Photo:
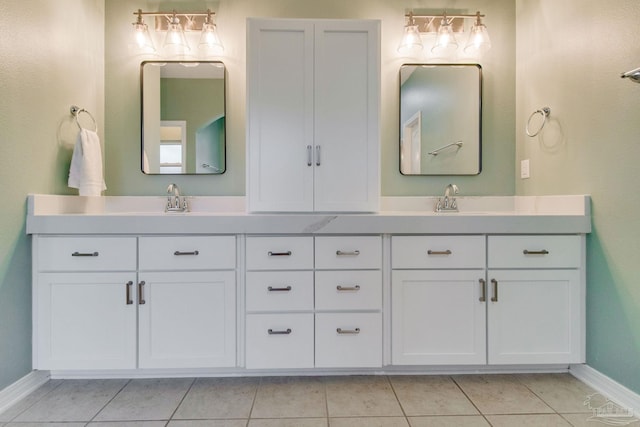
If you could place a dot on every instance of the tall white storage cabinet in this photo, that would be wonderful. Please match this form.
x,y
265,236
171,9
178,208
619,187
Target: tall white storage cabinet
x,y
313,115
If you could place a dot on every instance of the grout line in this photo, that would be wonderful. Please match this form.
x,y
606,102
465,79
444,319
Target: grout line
x,y
406,418
110,400
326,399
36,401
253,402
193,381
470,400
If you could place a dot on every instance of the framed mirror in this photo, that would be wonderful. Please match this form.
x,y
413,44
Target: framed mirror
x,y
183,117
440,119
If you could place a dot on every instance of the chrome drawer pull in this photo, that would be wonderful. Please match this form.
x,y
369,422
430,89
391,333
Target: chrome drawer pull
x,y
348,253
447,252
178,253
348,288
288,253
309,156
348,331
494,298
128,292
272,289
141,300
285,332
317,155
483,289
85,254
542,252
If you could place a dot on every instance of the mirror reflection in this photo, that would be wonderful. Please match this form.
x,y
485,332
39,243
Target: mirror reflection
x,y
440,119
183,117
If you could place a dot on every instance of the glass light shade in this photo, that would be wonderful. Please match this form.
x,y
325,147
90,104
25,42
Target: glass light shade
x,y
446,43
142,41
479,42
210,43
175,43
411,41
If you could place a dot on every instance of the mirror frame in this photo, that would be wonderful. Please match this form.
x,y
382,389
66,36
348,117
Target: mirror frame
x,y
400,124
142,111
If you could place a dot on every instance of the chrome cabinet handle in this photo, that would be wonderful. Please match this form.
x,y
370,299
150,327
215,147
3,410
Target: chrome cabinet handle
x,y
285,289
348,288
128,292
447,252
494,298
287,253
348,253
309,155
483,289
348,331
542,252
141,300
285,332
179,253
317,155
85,254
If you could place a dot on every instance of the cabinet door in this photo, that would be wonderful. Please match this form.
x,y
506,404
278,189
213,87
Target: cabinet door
x,y
187,319
280,115
536,318
438,317
347,86
85,321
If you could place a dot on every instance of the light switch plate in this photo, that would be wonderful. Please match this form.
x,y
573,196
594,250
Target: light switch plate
x,y
524,169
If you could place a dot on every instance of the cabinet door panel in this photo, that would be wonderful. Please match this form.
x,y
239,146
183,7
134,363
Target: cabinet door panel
x,y
84,321
437,318
188,320
537,317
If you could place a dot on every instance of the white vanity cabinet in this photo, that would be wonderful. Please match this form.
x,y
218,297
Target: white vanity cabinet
x,y
536,299
438,313
313,115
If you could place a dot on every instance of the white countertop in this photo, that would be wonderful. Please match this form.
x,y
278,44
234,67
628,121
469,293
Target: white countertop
x,y
53,214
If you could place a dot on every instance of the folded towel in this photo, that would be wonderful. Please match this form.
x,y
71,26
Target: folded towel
x,y
85,172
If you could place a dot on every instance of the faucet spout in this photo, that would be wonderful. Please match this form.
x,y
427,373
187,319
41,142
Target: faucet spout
x,y
448,203
175,202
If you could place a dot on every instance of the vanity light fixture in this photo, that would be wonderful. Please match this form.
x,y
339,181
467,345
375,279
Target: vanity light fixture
x,y
479,41
411,40
209,40
175,42
141,37
446,43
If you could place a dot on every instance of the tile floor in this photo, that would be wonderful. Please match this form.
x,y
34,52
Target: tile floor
x,y
353,401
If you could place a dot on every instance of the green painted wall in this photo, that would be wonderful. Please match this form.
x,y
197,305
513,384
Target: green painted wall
x,y
52,56
570,55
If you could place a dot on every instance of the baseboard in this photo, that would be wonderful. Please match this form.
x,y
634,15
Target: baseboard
x,y
19,389
609,388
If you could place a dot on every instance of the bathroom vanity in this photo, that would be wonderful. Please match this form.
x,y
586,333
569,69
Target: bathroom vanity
x,y
121,287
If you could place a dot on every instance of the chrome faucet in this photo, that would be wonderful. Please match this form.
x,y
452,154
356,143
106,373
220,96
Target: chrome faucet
x,y
175,202
448,203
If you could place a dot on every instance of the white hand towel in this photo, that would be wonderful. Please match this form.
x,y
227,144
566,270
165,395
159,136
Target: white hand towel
x,y
85,172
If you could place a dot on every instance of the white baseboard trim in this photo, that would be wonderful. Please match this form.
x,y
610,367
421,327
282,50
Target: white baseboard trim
x,y
609,388
19,389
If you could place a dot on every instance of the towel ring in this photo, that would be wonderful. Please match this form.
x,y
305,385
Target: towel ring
x,y
75,111
545,113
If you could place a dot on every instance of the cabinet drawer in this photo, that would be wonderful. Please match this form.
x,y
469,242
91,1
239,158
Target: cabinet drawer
x,y
187,253
87,253
348,290
348,252
279,341
438,252
348,340
279,290
535,251
280,253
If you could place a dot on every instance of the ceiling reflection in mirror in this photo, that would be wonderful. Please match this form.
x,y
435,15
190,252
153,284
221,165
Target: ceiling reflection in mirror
x,y
440,119
183,117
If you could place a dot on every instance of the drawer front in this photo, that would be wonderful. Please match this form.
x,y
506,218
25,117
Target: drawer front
x,y
279,290
348,252
348,290
188,253
438,251
279,253
535,251
88,253
279,341
346,340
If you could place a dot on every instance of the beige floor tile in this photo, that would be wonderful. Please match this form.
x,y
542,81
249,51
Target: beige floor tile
x,y
290,397
431,395
207,423
211,398
146,399
369,422
27,401
73,400
127,424
563,392
538,420
361,396
44,424
449,421
289,422
501,394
